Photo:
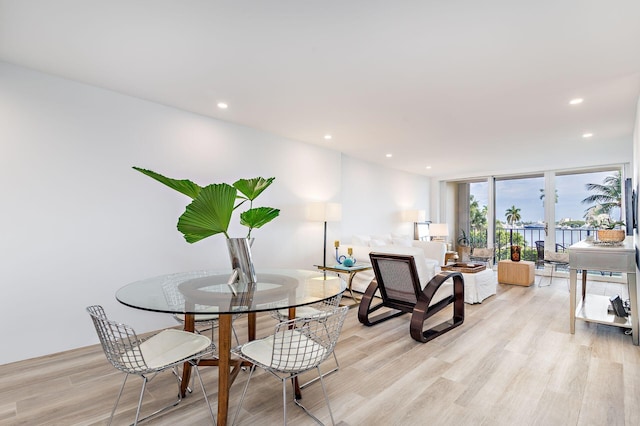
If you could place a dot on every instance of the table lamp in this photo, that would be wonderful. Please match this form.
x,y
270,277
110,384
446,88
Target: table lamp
x,y
324,212
415,216
439,231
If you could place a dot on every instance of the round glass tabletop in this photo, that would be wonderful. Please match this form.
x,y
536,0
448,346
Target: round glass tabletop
x,y
208,291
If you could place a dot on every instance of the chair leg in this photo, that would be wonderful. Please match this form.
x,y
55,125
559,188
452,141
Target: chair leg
x,y
297,401
204,392
326,397
113,411
542,276
155,413
144,385
315,379
284,401
244,393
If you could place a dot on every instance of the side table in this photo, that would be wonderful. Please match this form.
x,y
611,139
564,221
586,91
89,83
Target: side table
x,y
351,270
450,255
517,273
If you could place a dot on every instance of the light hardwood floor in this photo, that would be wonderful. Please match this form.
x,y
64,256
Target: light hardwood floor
x,y
512,362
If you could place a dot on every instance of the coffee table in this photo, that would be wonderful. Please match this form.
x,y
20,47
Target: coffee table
x,y
479,282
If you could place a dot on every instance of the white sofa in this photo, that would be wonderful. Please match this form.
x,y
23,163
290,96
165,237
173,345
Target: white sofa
x,y
429,256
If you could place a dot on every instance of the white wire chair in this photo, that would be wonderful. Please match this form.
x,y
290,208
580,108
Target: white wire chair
x,y
322,307
146,358
297,346
205,321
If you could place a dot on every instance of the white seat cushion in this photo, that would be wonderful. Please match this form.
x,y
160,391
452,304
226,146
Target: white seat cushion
x,y
296,345
303,312
171,346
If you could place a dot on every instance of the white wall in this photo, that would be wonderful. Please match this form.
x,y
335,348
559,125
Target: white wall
x,y
77,222
373,198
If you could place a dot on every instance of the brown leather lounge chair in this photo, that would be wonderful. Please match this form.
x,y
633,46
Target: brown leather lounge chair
x,y
398,283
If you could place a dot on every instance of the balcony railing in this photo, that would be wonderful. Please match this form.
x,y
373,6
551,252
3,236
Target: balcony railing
x,y
564,238
527,237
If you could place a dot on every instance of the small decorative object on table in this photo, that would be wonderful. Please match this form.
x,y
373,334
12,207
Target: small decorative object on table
x,y
344,260
464,267
515,253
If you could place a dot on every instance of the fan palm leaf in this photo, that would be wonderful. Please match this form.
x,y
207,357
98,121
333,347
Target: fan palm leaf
x,y
209,214
251,188
606,196
183,186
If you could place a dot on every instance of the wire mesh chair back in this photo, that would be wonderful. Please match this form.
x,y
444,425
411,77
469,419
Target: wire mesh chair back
x,y
398,279
303,343
175,300
120,343
124,350
320,307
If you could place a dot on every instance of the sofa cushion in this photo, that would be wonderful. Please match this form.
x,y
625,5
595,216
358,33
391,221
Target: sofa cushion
x,y
432,250
360,240
402,241
377,243
383,237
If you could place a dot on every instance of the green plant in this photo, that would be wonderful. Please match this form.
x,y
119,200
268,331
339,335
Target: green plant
x,y
605,222
211,208
462,239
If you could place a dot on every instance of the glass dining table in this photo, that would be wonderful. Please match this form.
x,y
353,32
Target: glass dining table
x,y
208,291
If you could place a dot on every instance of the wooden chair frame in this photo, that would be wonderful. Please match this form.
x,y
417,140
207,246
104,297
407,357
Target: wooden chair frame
x,y
418,303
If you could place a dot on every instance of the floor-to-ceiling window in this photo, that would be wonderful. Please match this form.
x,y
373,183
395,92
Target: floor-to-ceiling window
x,y
576,206
519,214
551,209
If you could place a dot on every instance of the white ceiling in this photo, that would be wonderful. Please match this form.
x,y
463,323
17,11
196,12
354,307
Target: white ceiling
x,y
469,87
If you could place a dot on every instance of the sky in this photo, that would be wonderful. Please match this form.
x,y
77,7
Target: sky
x,y
525,195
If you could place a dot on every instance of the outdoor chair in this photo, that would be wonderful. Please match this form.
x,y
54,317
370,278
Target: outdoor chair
x,y
554,259
398,284
296,346
484,255
146,358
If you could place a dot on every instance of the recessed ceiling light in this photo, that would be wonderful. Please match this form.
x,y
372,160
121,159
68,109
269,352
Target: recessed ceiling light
x,y
389,155
576,101
428,167
222,105
587,135
327,137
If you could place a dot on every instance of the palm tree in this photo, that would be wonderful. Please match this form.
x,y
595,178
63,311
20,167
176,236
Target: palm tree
x,y
513,215
542,196
606,197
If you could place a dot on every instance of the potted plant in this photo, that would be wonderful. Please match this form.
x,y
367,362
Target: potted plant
x,y
464,250
210,211
608,229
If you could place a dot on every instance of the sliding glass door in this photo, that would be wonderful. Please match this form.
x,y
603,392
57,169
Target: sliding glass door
x,y
549,210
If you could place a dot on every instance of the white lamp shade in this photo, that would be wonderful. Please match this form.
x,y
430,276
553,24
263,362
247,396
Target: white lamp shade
x,y
324,212
414,215
439,230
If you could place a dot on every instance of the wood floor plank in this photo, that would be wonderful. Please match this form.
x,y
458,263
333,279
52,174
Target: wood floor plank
x,y
513,361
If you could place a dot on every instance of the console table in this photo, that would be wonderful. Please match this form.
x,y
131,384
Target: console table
x,y
591,307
